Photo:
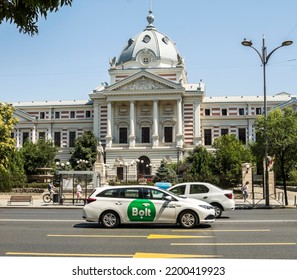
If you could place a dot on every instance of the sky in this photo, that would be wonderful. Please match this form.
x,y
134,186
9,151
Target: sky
x,y
70,55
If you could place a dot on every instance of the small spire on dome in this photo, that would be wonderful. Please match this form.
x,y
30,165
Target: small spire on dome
x,y
150,19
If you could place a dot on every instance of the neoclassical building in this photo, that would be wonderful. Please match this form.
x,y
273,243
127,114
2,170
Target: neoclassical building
x,y
149,112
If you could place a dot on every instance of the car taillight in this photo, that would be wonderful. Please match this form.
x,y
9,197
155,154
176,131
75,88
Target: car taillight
x,y
89,200
229,195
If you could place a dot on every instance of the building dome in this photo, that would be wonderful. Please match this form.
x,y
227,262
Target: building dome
x,y
149,48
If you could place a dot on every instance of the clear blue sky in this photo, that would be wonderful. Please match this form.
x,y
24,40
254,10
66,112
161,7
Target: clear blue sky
x,y
69,57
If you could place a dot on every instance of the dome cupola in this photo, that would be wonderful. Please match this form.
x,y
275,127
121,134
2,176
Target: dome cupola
x,y
149,49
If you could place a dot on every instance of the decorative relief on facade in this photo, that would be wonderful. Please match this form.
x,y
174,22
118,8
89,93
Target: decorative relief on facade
x,y
143,83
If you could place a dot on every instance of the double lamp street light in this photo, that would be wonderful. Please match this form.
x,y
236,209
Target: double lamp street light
x,y
264,57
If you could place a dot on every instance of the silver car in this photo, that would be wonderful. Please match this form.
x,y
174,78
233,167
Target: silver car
x,y
221,200
113,205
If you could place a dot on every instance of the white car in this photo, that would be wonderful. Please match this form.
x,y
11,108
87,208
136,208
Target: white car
x,y
221,200
114,205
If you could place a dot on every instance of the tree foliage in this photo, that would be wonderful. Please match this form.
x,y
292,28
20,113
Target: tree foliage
x,y
165,173
85,148
281,134
199,166
7,143
38,155
229,155
25,13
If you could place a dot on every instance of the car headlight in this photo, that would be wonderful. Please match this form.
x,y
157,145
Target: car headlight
x,y
208,207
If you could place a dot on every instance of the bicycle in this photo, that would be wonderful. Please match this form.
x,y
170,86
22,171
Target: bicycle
x,y
48,197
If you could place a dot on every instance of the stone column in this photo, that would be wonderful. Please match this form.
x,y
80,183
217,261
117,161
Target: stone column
x,y
155,125
132,124
96,119
109,119
197,131
179,134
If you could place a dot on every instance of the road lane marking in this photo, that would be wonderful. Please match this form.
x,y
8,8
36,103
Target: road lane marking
x,y
68,255
221,230
150,236
96,236
135,255
237,244
38,220
170,256
164,236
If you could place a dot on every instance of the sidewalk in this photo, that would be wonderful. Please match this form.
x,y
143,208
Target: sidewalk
x,y
240,204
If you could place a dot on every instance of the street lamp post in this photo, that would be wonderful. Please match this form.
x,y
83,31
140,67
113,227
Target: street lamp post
x,y
264,59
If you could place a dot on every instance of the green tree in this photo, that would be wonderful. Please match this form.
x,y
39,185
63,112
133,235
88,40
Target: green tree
x,y
25,13
14,175
199,166
7,143
229,155
85,148
37,155
165,173
281,132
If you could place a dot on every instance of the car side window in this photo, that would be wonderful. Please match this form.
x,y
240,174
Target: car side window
x,y
108,193
130,193
179,190
196,188
153,194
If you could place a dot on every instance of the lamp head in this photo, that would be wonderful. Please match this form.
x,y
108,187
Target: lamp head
x,y
287,43
247,43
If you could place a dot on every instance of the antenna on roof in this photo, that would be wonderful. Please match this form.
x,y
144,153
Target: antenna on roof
x,y
151,5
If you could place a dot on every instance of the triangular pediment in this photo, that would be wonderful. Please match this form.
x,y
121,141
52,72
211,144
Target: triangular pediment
x,y
144,81
23,116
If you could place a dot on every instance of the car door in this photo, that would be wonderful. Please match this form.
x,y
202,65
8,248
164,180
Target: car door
x,y
165,208
198,191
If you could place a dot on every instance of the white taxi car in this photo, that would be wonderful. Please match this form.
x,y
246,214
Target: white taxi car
x,y
221,200
114,205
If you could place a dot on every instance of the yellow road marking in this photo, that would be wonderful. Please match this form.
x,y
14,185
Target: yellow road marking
x,y
171,256
136,255
234,244
164,236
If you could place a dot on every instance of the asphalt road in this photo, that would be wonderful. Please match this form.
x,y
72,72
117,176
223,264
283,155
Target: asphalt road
x,y
239,234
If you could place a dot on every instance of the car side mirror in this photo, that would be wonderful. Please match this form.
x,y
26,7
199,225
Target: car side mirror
x,y
168,197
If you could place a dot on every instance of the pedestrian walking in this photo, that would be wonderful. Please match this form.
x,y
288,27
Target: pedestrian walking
x,y
245,191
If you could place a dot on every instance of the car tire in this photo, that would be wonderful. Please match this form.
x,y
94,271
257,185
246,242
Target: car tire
x,y
188,219
218,210
109,219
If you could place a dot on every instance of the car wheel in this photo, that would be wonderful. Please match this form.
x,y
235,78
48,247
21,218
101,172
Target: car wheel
x,y
110,219
218,210
188,219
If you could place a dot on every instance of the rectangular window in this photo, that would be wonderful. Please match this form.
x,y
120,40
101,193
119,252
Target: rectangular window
x,y
88,114
241,111
72,137
168,135
224,112
207,137
42,115
41,135
242,135
25,137
224,131
207,112
145,135
57,115
72,114
123,135
57,139
258,111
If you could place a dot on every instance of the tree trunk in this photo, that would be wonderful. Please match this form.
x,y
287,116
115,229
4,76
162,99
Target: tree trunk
x,y
284,182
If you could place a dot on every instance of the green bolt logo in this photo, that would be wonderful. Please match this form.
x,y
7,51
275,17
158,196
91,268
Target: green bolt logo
x,y
141,210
